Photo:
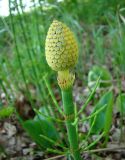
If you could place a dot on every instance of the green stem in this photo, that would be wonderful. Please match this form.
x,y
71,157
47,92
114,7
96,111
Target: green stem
x,y
69,116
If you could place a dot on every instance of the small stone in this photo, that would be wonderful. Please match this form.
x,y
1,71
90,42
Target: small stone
x,y
12,141
116,135
27,151
10,129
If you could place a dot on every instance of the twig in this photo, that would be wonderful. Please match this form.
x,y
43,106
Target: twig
x,y
114,149
55,157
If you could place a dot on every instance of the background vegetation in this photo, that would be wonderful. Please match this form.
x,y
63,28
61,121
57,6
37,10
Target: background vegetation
x,y
99,26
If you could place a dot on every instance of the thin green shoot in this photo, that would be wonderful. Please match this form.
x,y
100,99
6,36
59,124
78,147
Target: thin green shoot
x,y
55,143
93,143
93,114
28,50
52,96
4,89
56,151
89,131
90,96
48,117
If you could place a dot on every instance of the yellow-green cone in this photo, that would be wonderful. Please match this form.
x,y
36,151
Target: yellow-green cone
x,y
61,47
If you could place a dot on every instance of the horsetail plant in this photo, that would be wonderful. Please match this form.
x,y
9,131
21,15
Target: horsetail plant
x,y
61,51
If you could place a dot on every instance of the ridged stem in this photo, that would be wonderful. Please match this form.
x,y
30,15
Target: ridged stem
x,y
69,117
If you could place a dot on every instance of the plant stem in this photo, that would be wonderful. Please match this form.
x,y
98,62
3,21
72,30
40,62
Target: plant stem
x,y
69,117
